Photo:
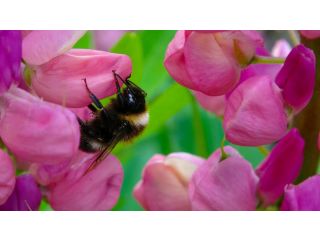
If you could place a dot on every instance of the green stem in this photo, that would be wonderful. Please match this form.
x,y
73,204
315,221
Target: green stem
x,y
293,37
224,155
263,150
267,60
308,120
199,131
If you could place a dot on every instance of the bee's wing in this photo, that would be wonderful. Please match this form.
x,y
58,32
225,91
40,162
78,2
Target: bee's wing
x,y
105,151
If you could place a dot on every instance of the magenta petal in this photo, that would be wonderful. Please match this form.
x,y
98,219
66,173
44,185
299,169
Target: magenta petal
x,y
164,183
39,47
10,59
310,34
36,131
303,197
98,189
297,77
281,167
61,79
7,177
25,197
255,113
230,184
211,69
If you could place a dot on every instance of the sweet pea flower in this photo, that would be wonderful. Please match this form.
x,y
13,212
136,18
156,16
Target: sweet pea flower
x,y
310,34
303,197
7,177
165,180
255,113
297,77
215,104
281,48
79,189
36,131
38,47
229,184
25,197
10,59
61,79
281,167
210,61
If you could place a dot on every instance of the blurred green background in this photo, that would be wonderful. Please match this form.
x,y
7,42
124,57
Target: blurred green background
x,y
177,122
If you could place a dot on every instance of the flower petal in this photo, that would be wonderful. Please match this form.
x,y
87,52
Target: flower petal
x,y
281,167
229,184
37,131
39,47
61,79
26,195
7,177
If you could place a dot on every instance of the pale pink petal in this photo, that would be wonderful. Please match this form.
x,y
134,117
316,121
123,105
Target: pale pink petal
x,y
38,47
281,48
98,189
61,79
37,131
215,104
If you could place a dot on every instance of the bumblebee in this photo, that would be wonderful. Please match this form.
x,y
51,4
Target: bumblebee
x,y
124,118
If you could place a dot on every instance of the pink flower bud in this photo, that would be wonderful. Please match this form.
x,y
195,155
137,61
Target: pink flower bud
x,y
303,197
7,177
210,62
165,180
310,34
61,79
38,47
281,167
281,48
97,189
25,197
37,131
215,104
255,113
297,77
10,59
229,184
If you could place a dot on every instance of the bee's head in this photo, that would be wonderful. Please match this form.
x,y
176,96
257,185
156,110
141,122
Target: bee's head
x,y
131,100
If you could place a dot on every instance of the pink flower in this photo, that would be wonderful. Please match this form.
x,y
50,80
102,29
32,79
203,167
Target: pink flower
x,y
38,47
303,197
215,104
97,189
255,113
105,39
37,131
281,167
210,62
297,77
228,184
25,197
165,180
10,59
60,79
281,48
310,34
7,177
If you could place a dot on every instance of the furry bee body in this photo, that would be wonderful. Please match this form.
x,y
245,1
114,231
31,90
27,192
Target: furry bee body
x,y
122,119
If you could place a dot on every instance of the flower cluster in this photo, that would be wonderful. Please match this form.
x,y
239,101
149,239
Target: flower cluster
x,y
258,94
39,126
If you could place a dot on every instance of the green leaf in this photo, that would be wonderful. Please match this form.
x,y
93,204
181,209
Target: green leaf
x,y
130,44
84,42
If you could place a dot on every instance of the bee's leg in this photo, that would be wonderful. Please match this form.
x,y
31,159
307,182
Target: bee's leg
x,y
92,108
93,97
